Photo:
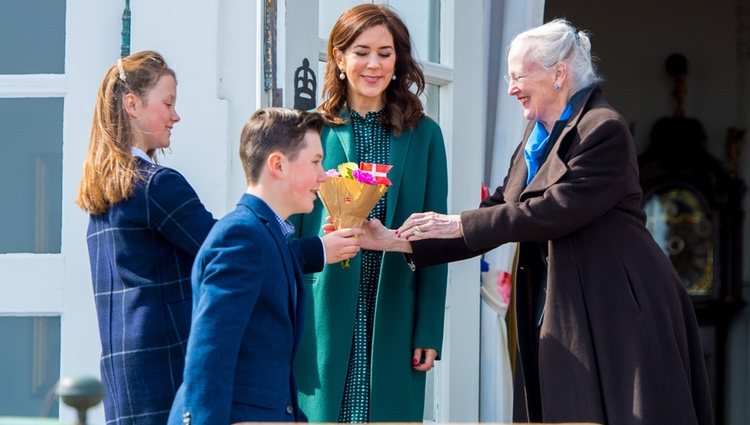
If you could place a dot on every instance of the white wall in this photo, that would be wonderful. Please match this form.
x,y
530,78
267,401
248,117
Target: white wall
x,y
187,37
462,121
212,47
91,47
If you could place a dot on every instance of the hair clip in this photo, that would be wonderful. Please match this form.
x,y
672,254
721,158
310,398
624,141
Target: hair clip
x,y
121,69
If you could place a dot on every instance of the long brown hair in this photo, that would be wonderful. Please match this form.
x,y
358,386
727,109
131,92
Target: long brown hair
x,y
109,170
403,108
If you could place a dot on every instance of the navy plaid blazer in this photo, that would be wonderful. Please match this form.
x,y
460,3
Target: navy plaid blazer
x,y
141,252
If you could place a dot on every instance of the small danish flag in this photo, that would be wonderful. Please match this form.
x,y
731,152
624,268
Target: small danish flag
x,y
379,171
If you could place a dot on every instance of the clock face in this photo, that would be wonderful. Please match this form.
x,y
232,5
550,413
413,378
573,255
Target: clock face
x,y
678,221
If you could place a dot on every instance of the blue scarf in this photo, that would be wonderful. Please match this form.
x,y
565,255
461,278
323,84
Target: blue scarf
x,y
536,145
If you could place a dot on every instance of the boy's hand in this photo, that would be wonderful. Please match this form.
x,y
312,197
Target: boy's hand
x,y
341,244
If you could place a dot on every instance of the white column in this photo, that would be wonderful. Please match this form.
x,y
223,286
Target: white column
x,y
514,17
92,44
457,377
240,80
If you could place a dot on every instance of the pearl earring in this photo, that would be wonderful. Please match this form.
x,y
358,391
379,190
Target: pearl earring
x,y
556,86
393,77
342,76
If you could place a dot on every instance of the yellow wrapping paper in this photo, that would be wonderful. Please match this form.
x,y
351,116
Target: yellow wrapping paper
x,y
348,201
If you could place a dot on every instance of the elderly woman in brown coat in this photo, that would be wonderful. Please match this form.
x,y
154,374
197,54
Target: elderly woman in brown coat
x,y
606,332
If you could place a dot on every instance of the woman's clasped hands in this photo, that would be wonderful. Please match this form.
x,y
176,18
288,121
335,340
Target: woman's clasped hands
x,y
430,225
426,225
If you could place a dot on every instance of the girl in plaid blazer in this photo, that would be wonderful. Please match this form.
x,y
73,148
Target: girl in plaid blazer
x,y
146,225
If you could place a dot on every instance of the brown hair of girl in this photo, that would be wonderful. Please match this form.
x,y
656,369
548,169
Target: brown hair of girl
x,y
109,169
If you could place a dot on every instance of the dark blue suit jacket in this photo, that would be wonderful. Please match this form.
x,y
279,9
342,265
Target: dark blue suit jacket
x,y
141,252
247,321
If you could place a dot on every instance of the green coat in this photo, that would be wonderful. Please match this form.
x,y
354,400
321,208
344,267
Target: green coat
x,y
410,305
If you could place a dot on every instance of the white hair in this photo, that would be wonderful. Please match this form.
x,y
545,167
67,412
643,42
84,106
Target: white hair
x,y
558,41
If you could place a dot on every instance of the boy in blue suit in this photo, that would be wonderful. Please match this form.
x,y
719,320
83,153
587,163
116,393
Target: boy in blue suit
x,y
248,301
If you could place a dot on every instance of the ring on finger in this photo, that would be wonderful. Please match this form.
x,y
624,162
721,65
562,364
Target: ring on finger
x,y
417,230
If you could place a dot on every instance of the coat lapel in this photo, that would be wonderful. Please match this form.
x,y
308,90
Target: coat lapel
x,y
552,169
345,135
399,149
555,166
518,172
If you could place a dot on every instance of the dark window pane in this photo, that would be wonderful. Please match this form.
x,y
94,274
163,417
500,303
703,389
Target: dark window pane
x,y
29,365
32,36
31,174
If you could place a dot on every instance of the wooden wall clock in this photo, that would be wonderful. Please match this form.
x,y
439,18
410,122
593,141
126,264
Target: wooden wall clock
x,y
686,229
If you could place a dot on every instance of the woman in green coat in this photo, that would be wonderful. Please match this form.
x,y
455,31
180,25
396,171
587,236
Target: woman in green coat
x,y
374,329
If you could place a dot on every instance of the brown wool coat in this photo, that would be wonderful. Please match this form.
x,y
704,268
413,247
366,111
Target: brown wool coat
x,y
619,342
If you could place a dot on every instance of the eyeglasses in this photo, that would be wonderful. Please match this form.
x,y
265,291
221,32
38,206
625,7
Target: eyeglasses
x,y
515,78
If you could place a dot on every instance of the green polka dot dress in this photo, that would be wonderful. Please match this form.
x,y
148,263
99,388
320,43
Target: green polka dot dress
x,y
373,145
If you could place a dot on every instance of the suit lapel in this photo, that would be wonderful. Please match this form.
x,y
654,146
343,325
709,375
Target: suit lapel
x,y
399,147
291,269
300,301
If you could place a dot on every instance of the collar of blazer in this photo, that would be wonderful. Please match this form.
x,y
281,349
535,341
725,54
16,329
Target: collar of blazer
x,y
266,215
555,166
399,147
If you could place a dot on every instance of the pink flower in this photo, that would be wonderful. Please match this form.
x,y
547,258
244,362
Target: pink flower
x,y
363,177
332,173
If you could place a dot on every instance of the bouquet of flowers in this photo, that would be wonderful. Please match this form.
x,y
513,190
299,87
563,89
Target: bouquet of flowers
x,y
352,192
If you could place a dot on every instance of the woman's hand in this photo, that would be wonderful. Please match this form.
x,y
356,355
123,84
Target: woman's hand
x,y
423,359
377,237
430,225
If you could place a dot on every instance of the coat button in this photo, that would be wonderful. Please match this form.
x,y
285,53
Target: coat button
x,y
289,409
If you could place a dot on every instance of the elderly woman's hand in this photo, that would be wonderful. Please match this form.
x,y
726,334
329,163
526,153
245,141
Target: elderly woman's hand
x,y
430,225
